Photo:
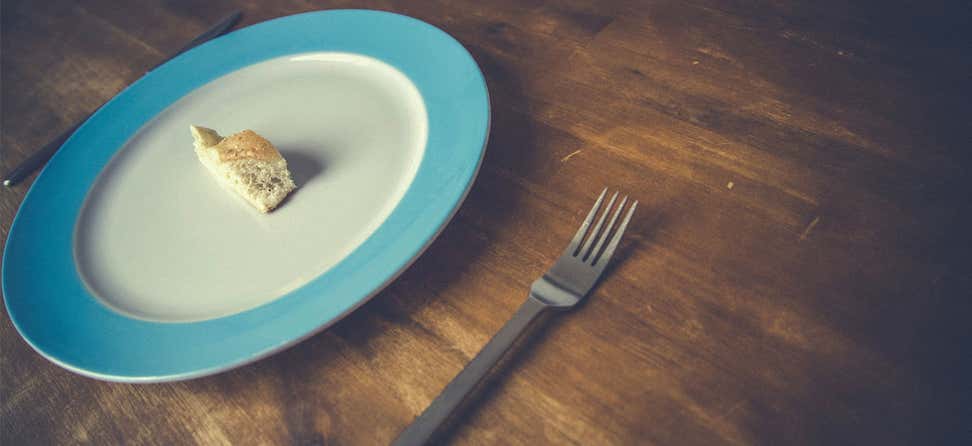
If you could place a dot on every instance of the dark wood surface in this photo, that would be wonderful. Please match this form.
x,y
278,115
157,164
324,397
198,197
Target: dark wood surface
x,y
796,274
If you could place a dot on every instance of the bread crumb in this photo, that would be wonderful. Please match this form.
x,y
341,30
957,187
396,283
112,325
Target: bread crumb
x,y
571,155
806,231
245,163
695,62
730,185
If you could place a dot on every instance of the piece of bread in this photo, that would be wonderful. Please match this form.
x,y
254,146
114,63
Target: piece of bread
x,y
245,163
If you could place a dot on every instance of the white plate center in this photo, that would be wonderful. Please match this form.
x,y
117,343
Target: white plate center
x,y
159,239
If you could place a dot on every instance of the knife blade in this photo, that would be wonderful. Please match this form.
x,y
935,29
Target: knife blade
x,y
33,162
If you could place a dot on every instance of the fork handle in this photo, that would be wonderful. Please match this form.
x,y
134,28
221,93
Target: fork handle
x,y
38,158
422,429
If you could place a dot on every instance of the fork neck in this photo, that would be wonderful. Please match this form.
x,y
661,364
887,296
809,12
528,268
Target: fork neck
x,y
551,295
546,306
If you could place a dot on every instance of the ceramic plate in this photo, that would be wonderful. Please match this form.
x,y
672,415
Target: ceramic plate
x,y
128,262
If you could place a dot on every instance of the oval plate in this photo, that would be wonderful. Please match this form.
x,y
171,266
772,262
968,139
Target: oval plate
x,y
59,316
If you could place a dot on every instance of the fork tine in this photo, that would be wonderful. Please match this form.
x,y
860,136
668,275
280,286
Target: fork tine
x,y
585,252
607,229
575,243
609,251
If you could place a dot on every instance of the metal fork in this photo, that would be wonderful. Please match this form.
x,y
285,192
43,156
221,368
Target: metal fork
x,y
562,287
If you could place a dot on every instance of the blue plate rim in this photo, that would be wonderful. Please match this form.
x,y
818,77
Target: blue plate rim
x,y
475,122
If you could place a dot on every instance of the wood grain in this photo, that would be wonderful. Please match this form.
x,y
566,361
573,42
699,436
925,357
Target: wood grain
x,y
797,273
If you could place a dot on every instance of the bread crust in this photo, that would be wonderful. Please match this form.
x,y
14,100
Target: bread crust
x,y
246,145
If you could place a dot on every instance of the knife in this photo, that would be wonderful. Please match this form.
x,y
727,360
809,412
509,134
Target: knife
x,y
41,156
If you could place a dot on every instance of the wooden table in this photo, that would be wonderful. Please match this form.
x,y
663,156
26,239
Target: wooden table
x,y
796,273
